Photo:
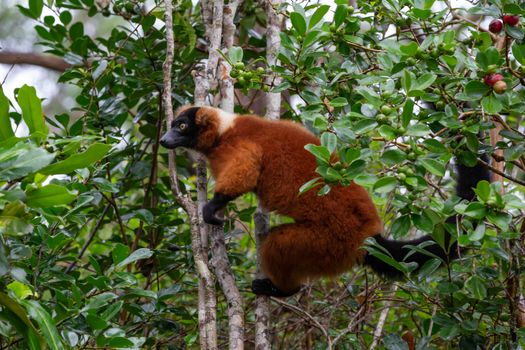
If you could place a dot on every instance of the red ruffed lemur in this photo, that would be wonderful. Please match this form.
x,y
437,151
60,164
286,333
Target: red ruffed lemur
x,y
251,154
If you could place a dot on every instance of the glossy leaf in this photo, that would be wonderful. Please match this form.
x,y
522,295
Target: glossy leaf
x,y
92,154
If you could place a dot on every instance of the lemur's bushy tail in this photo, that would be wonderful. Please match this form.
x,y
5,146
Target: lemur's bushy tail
x,y
467,179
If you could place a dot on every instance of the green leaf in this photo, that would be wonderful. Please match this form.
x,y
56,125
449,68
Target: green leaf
x,y
310,184
424,81
339,102
298,22
491,104
18,317
406,81
320,152
429,267
488,57
514,32
93,154
476,210
410,49
96,323
49,196
99,300
340,15
329,140
483,190
32,112
46,324
393,156
388,132
418,130
476,89
119,253
519,52
476,286
408,112
394,342
21,160
376,250
139,254
478,233
435,146
401,226
433,166
120,342
318,15
385,184
6,131
35,7
235,54
364,126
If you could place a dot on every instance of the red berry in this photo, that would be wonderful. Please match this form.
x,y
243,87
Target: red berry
x,y
511,20
496,26
500,87
493,78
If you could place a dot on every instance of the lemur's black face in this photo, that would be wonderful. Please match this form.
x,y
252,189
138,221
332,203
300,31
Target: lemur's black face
x,y
184,130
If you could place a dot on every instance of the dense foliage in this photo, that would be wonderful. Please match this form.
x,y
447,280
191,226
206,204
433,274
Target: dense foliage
x,y
94,251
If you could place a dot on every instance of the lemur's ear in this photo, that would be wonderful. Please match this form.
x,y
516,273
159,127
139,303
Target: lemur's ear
x,y
205,116
181,110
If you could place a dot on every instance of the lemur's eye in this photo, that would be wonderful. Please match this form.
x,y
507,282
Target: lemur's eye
x,y
182,126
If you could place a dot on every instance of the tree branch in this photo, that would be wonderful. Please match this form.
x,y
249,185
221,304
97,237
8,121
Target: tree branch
x,y
45,61
207,300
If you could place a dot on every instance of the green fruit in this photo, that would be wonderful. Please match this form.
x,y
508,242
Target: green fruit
x,y
241,80
440,105
386,94
386,109
435,53
411,61
247,74
401,130
412,156
260,70
234,73
409,172
381,118
350,9
333,28
239,66
401,177
436,91
265,88
492,68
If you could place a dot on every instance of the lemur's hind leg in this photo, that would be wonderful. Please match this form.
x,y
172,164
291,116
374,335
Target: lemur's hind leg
x,y
291,254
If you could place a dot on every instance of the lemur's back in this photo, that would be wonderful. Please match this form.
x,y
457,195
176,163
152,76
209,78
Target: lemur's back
x,y
286,166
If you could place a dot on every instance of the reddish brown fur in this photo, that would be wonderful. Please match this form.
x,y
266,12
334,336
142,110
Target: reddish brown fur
x,y
268,158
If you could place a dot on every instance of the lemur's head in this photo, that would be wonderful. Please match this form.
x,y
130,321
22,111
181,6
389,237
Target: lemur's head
x,y
197,127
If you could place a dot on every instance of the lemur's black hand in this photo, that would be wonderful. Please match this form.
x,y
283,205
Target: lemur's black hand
x,y
208,214
218,202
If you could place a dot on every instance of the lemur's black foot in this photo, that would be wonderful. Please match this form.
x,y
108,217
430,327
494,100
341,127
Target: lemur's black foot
x,y
266,287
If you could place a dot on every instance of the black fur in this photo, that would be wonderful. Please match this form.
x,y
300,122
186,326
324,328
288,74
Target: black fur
x,y
218,202
266,287
467,179
187,137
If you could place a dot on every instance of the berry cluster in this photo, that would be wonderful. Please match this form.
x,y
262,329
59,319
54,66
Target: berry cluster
x,y
496,25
